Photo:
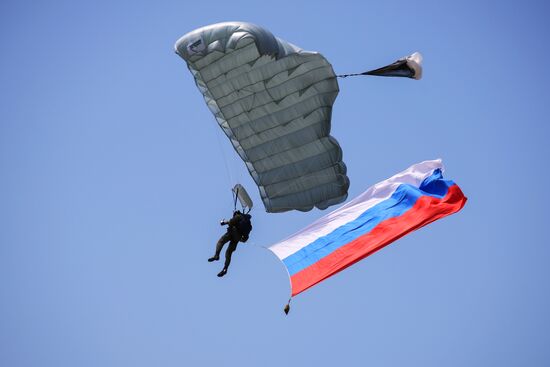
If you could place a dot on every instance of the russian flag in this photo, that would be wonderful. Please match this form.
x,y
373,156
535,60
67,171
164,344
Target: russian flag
x,y
382,214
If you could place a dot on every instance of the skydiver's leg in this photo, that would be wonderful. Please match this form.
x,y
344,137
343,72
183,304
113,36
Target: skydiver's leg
x,y
222,241
230,249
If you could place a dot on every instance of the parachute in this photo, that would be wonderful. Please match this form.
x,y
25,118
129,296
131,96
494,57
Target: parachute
x,y
274,101
240,194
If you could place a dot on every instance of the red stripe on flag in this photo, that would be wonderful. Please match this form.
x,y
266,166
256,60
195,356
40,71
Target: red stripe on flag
x,y
426,210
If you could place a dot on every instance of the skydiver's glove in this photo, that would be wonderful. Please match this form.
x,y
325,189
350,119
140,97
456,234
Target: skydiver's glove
x,y
223,222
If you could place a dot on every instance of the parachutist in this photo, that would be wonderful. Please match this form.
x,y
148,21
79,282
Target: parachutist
x,y
238,229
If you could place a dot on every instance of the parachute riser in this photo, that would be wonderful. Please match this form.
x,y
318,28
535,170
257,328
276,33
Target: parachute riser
x,y
235,200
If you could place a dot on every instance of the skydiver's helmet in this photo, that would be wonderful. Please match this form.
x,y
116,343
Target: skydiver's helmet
x,y
237,212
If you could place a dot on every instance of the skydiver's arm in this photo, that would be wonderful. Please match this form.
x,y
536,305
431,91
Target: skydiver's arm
x,y
234,221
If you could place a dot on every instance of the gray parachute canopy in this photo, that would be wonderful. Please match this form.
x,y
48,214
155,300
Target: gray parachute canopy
x,y
274,102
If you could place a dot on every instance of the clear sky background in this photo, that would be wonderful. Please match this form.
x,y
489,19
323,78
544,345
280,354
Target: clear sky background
x,y
114,176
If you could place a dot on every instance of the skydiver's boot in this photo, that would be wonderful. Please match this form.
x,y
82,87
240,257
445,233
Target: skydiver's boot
x,y
223,272
214,258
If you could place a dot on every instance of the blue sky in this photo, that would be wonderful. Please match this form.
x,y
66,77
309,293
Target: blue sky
x,y
115,176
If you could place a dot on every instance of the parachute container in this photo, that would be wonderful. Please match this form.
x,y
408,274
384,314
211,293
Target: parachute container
x,y
274,101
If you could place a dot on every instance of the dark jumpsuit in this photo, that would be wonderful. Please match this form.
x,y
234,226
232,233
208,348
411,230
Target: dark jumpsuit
x,y
232,236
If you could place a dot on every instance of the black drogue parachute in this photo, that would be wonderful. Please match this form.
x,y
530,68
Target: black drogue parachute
x,y
274,101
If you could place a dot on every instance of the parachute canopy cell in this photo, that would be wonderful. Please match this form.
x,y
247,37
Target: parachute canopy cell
x,y
274,101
